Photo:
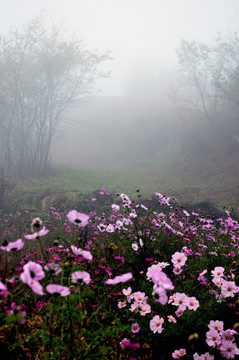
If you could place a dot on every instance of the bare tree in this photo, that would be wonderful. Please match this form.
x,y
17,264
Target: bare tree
x,y
209,82
41,73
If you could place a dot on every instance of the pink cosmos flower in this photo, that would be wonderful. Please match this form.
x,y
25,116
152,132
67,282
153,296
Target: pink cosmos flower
x,y
139,297
229,288
135,247
178,353
53,267
216,325
163,264
127,292
58,289
84,253
79,276
163,199
171,318
134,306
228,335
156,324
135,328
180,300
177,270
12,246
110,228
115,207
228,349
159,294
36,234
31,275
203,272
145,309
151,270
205,356
179,312
178,259
3,290
193,303
213,338
143,207
78,218
32,271
122,304
119,279
217,280
218,271
160,279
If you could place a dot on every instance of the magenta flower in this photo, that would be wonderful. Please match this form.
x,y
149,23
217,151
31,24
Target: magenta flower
x,y
135,328
78,218
58,289
79,252
80,276
119,279
156,324
35,235
126,342
12,246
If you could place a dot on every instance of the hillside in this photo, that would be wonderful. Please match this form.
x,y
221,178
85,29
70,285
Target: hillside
x,y
189,159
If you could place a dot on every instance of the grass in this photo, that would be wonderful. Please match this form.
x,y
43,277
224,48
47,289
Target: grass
x,y
82,182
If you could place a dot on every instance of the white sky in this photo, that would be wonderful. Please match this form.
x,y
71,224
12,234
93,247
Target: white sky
x,y
142,35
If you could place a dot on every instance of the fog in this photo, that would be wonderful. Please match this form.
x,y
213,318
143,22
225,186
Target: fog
x,y
141,35
130,120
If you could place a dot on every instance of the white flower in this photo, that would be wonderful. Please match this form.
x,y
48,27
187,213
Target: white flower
x,y
135,247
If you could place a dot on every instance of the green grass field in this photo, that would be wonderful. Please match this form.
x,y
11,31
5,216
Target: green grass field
x,y
81,182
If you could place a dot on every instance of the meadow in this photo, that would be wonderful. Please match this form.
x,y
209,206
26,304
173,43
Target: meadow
x,y
121,275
